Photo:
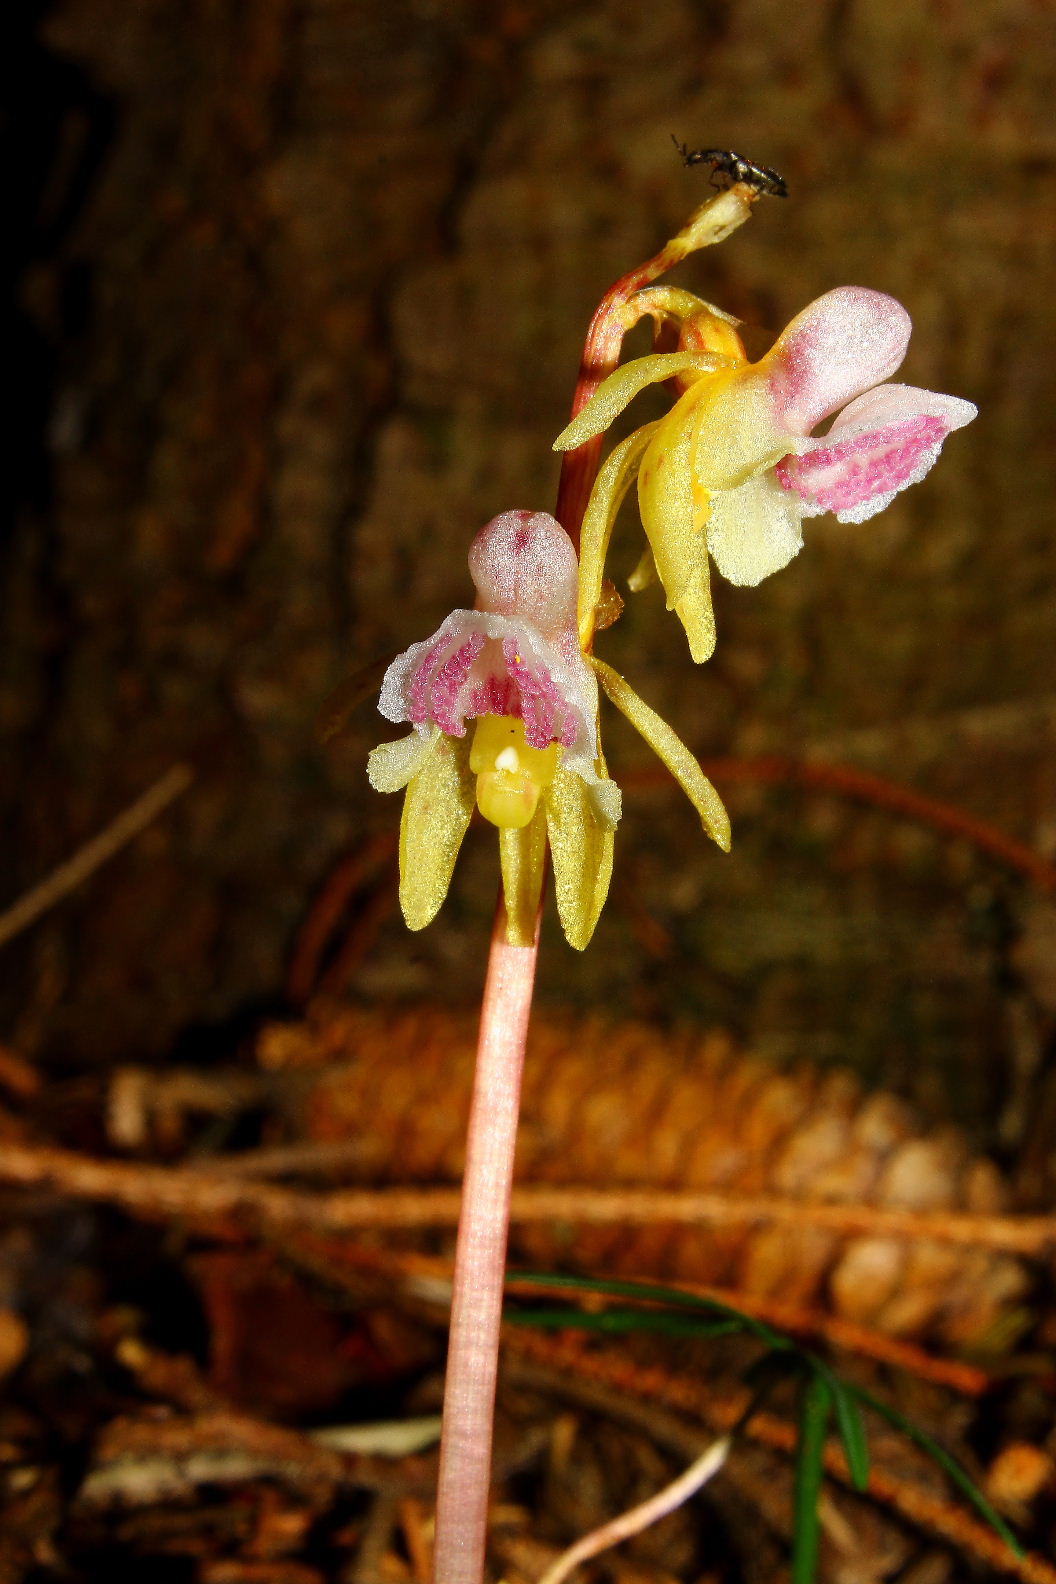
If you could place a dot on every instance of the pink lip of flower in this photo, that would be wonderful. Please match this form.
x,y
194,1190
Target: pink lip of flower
x,y
517,654
535,768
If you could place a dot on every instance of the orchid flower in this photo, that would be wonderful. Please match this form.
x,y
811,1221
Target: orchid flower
x,y
733,469
534,765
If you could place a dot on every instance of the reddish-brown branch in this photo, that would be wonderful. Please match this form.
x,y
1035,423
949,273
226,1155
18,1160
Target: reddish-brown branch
x,y
342,883
861,785
843,781
865,787
164,1193
957,1376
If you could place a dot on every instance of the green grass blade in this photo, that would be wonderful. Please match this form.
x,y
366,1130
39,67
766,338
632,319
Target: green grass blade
x,y
953,1470
815,1408
852,1431
621,1322
647,1292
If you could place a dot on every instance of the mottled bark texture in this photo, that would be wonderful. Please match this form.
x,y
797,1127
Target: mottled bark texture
x,y
311,278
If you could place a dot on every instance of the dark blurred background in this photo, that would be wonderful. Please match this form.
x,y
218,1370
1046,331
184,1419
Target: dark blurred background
x,y
299,302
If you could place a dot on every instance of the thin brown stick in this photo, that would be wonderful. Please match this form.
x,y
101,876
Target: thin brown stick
x,y
849,782
165,1192
16,1074
954,1374
227,1445
358,942
326,911
308,1159
413,1524
109,842
424,1279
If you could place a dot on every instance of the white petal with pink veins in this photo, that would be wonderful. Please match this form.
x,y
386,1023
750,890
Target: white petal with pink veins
x,y
880,444
841,344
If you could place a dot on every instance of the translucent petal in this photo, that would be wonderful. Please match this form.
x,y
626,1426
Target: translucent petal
x,y
581,845
670,748
436,815
621,387
674,513
606,498
887,404
606,800
843,343
391,766
754,530
522,853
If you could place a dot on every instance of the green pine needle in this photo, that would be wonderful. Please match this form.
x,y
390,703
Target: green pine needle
x,y
816,1404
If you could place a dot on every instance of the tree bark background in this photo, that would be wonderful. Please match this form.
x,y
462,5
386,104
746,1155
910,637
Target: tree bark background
x,y
313,314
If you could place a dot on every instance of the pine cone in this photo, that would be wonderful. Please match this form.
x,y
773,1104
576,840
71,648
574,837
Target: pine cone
x,y
618,1105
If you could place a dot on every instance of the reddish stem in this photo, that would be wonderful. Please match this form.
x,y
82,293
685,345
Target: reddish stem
x,y
601,354
612,319
480,1261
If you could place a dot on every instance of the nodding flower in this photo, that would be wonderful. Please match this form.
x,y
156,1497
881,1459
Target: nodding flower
x,y
733,469
533,765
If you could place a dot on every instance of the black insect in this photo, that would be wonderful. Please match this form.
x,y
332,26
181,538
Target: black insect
x,y
735,168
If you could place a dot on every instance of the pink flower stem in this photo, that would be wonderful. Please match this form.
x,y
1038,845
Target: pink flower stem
x,y
480,1261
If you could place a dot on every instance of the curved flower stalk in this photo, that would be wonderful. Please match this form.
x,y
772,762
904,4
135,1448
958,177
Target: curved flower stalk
x,y
534,765
733,469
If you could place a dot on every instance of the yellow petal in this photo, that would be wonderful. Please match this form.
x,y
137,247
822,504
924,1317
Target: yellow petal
x,y
522,851
581,846
669,747
622,386
674,515
737,429
606,498
436,813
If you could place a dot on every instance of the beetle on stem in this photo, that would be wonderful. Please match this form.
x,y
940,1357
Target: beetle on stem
x,y
724,162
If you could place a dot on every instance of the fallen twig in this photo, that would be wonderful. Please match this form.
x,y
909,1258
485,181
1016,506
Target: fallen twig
x,y
166,1192
69,875
626,1524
